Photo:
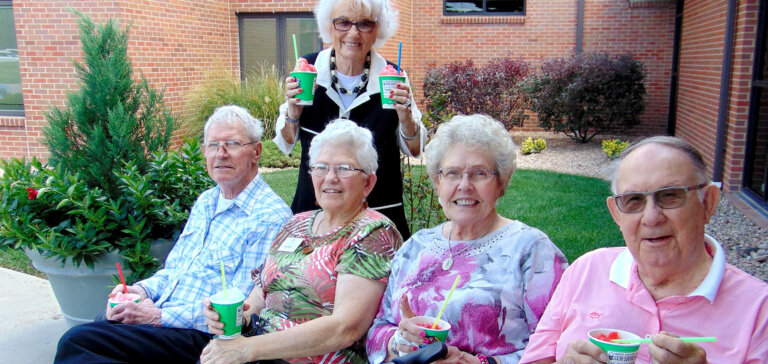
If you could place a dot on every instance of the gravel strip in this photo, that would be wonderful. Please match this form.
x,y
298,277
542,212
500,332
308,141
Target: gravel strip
x,y
745,243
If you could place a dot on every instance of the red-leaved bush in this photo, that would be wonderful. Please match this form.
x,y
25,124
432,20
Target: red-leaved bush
x,y
464,88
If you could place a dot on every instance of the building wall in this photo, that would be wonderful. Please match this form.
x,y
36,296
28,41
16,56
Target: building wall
x,y
548,30
701,59
647,32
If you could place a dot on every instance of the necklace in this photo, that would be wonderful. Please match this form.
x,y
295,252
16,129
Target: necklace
x,y
363,79
448,262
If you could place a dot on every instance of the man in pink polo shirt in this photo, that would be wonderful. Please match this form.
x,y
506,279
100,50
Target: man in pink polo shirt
x,y
670,281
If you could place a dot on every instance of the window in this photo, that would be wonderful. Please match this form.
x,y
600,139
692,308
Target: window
x,y
269,38
10,77
484,7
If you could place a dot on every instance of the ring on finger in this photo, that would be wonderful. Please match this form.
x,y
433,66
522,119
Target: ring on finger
x,y
407,103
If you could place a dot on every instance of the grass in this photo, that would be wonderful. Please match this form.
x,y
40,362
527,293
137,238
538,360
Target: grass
x,y
569,209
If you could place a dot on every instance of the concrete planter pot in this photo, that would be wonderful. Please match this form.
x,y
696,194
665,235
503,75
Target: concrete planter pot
x,y
82,292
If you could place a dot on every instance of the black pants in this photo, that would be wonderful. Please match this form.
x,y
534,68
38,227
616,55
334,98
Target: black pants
x,y
115,342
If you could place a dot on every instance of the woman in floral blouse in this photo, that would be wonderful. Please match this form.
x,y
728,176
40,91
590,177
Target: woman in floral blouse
x,y
507,269
322,282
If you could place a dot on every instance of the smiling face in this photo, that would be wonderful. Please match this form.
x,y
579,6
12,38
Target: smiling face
x,y
232,170
352,45
336,195
466,203
669,240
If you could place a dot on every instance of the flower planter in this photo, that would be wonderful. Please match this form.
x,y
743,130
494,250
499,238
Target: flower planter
x,y
82,292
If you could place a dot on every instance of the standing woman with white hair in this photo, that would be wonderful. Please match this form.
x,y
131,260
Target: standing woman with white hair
x,y
321,284
348,87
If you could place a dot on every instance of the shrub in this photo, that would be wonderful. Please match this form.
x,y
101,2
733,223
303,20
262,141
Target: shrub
x,y
422,209
588,94
111,119
261,92
463,88
614,147
272,157
530,146
53,210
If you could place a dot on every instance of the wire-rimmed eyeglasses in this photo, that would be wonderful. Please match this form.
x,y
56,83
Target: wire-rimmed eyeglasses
x,y
477,175
230,146
341,170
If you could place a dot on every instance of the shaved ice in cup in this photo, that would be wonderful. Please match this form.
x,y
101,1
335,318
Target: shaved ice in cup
x,y
438,333
617,353
306,75
388,80
230,309
121,297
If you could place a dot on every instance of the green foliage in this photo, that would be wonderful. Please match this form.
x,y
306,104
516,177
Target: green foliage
x,y
533,146
613,147
463,88
422,209
53,210
272,157
283,182
261,92
110,119
588,94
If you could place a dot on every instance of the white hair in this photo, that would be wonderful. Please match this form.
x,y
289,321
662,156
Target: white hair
x,y
380,10
343,133
230,114
476,132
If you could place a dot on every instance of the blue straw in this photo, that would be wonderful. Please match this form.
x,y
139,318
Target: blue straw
x,y
399,55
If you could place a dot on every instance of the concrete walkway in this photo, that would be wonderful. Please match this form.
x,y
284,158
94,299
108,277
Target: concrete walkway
x,y
32,320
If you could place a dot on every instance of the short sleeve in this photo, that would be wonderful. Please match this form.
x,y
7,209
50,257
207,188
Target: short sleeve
x,y
370,250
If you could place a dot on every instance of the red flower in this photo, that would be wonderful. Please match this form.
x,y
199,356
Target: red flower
x,y
31,193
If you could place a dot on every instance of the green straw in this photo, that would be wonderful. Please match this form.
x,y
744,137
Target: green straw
x,y
295,49
694,339
223,282
437,319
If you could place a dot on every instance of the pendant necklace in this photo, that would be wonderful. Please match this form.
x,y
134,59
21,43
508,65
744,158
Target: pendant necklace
x,y
448,262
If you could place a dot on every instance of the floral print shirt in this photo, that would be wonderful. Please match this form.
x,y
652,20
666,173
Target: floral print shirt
x,y
507,279
300,282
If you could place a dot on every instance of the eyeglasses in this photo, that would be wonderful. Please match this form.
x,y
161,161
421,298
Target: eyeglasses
x,y
230,146
665,198
479,175
341,170
363,26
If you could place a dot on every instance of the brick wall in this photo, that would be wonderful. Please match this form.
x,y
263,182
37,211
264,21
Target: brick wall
x,y
701,60
548,30
646,31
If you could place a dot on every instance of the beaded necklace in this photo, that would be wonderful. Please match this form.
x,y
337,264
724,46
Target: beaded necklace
x,y
363,80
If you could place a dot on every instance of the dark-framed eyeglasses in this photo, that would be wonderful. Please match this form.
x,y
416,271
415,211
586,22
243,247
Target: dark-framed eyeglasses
x,y
363,26
665,198
230,146
341,170
477,175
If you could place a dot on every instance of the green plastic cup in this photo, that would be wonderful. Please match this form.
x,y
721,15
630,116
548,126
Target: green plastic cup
x,y
307,85
135,299
617,353
230,309
439,333
387,83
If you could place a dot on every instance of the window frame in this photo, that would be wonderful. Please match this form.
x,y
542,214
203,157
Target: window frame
x,y
281,33
7,112
485,12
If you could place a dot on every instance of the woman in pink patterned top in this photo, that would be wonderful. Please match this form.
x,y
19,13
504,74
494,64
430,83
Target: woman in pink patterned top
x,y
321,285
508,270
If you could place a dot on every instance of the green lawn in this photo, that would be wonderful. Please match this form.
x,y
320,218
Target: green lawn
x,y
570,209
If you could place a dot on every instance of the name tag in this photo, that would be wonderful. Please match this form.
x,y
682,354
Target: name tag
x,y
290,244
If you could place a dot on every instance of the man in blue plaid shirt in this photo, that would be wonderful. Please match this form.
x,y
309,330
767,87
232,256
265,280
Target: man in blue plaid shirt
x,y
234,223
